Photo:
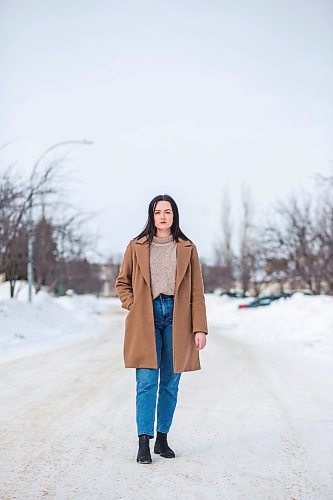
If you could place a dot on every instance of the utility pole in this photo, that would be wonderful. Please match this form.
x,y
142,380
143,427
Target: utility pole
x,y
30,223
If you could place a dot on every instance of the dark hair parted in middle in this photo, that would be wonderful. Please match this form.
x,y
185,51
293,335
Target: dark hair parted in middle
x,y
150,228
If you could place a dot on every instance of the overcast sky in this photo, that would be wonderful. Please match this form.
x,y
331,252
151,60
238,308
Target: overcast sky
x,y
181,97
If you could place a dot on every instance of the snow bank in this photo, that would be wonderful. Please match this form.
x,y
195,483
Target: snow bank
x,y
305,321
48,321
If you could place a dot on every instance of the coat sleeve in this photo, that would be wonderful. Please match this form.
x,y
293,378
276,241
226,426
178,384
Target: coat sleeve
x,y
123,282
199,317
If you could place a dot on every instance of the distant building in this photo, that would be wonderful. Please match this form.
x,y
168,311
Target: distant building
x,y
108,274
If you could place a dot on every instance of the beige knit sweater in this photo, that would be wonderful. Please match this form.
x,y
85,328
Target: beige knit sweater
x,y
163,265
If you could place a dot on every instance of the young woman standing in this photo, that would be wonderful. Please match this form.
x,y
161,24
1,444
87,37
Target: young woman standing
x,y
160,284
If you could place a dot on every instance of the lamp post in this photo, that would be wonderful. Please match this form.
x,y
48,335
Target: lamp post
x,y
30,231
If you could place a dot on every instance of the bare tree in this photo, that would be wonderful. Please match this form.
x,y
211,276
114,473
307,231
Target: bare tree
x,y
19,201
45,254
73,242
251,253
13,232
292,237
16,198
224,256
82,276
324,234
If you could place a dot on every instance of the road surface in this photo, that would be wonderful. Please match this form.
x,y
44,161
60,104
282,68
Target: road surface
x,y
254,423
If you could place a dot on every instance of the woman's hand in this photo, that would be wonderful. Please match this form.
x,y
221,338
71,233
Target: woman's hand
x,y
200,340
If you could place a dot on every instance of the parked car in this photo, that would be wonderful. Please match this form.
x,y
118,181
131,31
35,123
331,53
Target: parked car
x,y
265,300
233,294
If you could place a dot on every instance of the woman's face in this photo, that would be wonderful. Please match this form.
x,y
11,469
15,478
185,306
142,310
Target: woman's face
x,y
163,215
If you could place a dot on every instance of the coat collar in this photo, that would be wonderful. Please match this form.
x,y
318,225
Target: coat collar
x,y
183,254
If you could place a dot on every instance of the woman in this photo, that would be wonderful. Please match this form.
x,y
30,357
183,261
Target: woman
x,y
160,283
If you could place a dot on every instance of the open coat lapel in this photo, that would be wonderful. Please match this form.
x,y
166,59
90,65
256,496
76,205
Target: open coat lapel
x,y
183,255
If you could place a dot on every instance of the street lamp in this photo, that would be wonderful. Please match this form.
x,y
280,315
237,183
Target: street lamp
x,y
30,231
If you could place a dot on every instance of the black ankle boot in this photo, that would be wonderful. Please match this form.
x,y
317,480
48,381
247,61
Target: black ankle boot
x,y
144,456
161,446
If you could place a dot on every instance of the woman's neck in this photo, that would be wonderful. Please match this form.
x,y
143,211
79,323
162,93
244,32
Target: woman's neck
x,y
162,234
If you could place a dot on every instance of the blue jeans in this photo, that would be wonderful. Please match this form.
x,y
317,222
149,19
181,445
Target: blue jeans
x,y
147,378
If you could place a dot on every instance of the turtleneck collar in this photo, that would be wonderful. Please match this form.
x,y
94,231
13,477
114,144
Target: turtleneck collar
x,y
164,239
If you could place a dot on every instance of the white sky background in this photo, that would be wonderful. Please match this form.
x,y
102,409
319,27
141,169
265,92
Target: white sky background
x,y
181,97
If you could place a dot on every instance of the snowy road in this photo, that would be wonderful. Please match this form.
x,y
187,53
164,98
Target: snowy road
x,y
254,423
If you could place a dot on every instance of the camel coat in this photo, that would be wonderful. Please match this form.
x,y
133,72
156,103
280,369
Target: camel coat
x,y
189,312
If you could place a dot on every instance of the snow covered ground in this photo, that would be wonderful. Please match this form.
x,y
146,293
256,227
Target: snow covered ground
x,y
48,322
255,423
302,322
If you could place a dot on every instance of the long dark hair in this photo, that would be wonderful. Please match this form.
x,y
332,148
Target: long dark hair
x,y
150,228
